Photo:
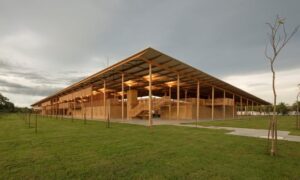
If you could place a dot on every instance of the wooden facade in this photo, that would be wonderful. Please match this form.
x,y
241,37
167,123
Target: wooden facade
x,y
146,85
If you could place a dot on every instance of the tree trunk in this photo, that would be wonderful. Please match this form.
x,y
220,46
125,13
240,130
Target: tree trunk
x,y
274,120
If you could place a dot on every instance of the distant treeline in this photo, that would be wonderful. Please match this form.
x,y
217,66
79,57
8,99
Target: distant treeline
x,y
7,106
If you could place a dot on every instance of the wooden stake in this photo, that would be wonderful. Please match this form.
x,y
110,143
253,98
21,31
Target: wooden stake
x,y
104,99
122,96
178,96
36,123
92,104
185,100
212,102
224,107
29,115
198,96
297,115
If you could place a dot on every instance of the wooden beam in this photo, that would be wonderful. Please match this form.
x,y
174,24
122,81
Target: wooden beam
x,y
150,94
180,73
98,74
167,68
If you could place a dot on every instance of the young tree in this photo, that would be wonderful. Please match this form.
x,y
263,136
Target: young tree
x,y
278,38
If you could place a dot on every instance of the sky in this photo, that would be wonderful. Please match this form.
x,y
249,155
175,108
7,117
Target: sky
x,y
50,44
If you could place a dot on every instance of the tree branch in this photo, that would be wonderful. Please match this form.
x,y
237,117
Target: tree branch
x,y
266,53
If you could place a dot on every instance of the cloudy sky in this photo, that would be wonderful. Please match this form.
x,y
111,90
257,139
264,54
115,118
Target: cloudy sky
x,y
47,45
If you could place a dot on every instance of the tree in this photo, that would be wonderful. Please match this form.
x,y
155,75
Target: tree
x,y
278,38
5,105
282,109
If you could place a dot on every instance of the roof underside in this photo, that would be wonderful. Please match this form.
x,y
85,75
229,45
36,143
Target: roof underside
x,y
165,68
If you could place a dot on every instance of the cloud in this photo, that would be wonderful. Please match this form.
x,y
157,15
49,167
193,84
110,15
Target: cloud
x,y
21,80
15,88
260,84
56,43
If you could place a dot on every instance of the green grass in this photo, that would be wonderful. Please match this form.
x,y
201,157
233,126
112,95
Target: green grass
x,y
286,123
71,150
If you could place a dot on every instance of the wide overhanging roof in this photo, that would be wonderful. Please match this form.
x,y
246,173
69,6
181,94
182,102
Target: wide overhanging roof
x,y
136,68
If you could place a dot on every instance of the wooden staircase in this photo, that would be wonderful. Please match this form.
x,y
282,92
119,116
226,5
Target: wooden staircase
x,y
141,110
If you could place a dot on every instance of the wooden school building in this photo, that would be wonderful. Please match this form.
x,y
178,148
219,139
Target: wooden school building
x,y
146,85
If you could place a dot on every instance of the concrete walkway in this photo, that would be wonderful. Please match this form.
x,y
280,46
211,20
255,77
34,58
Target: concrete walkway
x,y
258,133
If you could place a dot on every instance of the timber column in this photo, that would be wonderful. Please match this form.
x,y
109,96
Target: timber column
x,y
241,105
247,106
150,94
233,106
104,98
122,96
170,105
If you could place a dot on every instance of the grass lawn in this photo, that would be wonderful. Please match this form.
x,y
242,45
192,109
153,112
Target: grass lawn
x,y
63,150
287,123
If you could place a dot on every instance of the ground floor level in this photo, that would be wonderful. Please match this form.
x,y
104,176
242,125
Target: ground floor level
x,y
108,105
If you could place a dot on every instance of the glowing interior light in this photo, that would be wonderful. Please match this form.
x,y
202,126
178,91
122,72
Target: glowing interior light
x,y
120,93
155,77
130,83
106,90
171,83
95,92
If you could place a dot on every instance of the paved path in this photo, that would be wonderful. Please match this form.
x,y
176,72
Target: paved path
x,y
258,133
